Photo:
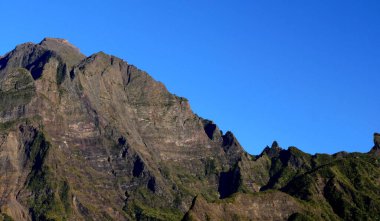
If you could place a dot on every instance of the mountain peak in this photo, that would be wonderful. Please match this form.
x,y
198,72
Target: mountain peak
x,y
272,151
98,139
63,48
61,41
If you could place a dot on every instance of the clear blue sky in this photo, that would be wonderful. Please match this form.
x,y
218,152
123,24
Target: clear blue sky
x,y
304,73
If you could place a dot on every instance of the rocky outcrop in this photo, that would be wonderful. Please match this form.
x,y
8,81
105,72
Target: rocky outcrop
x,y
95,138
263,206
119,142
376,148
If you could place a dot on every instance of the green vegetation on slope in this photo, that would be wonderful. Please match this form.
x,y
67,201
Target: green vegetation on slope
x,y
348,185
50,199
16,89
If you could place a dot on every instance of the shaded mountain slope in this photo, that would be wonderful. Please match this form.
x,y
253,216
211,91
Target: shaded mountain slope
x,y
300,186
95,138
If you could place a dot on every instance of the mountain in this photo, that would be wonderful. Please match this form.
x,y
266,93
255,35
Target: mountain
x,y
95,138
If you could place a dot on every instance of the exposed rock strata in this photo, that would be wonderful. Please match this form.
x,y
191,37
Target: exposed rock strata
x,y
95,138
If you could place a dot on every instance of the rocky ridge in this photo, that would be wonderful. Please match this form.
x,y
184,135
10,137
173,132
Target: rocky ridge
x,y
95,138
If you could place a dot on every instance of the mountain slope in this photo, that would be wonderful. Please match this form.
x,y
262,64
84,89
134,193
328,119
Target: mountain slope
x,y
95,138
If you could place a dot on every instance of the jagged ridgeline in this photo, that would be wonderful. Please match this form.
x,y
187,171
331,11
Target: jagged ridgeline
x,y
95,138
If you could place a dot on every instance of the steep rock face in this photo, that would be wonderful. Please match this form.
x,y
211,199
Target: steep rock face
x,y
121,145
95,138
15,163
265,206
16,90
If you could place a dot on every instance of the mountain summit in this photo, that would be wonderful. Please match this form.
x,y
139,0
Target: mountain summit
x,y
95,138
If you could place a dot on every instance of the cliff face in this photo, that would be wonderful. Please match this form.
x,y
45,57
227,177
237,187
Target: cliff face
x,y
95,138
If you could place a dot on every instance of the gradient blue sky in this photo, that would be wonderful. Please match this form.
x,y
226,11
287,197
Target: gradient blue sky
x,y
304,73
